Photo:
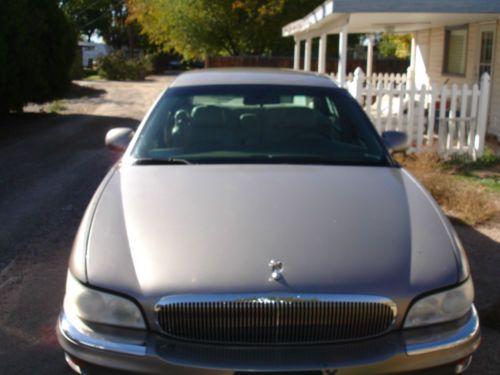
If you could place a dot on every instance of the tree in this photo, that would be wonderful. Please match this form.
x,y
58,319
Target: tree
x,y
37,48
106,18
89,16
395,45
196,28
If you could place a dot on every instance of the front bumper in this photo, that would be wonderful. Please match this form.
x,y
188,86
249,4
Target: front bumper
x,y
399,351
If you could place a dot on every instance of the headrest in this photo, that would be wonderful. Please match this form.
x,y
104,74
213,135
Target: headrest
x,y
249,120
181,117
298,117
208,116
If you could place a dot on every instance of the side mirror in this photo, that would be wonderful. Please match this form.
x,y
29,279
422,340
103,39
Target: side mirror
x,y
395,141
117,139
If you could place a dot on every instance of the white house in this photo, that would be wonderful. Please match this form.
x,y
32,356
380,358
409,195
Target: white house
x,y
453,41
91,51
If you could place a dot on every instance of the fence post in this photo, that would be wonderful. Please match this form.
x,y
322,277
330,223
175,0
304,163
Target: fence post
x,y
379,95
463,118
482,115
421,118
473,124
443,124
357,85
431,119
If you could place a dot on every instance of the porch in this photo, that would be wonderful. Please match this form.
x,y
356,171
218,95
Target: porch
x,y
451,118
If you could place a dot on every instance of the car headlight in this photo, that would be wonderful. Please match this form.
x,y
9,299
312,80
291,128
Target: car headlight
x,y
99,307
441,307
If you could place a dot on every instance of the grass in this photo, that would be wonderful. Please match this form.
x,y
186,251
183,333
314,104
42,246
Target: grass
x,y
490,183
95,77
55,107
485,170
461,196
91,75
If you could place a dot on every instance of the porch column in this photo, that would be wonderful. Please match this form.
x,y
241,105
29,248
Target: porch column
x,y
369,57
307,55
296,54
322,54
413,62
342,55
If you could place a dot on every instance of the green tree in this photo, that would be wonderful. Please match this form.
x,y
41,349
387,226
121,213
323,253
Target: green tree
x,y
89,16
395,45
108,19
196,28
37,48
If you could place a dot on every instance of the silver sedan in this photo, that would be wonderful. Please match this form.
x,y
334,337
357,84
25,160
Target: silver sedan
x,y
258,223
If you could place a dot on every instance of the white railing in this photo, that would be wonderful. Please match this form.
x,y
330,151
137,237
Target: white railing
x,y
386,78
451,120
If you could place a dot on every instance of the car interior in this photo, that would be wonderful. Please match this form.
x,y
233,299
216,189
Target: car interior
x,y
266,123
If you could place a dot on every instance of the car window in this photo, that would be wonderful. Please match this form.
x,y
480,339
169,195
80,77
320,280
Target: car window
x,y
262,124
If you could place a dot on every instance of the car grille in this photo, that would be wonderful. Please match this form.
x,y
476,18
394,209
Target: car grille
x,y
277,320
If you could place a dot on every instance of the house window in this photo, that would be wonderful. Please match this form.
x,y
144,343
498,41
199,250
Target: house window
x,y
455,50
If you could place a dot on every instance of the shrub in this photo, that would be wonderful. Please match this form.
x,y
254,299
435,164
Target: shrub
x,y
116,66
76,71
158,61
37,45
465,200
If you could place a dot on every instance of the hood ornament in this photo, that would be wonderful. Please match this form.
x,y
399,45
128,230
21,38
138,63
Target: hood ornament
x,y
276,269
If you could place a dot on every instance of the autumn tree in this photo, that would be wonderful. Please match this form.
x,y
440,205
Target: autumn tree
x,y
395,45
196,28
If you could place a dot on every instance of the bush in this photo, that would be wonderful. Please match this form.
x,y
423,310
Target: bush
x,y
76,71
37,45
116,66
161,61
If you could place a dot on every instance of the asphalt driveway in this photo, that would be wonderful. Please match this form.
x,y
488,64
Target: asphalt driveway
x,y
50,166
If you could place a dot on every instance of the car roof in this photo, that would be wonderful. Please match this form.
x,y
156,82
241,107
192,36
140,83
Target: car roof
x,y
252,76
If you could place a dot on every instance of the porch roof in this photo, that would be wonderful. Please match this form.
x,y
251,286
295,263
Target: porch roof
x,y
367,16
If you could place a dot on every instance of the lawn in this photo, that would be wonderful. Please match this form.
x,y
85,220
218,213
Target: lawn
x,y
468,191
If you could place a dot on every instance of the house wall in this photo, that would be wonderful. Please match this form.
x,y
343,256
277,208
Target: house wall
x,y
494,119
430,58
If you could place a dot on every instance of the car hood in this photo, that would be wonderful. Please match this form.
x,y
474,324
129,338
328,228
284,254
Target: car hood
x,y
166,230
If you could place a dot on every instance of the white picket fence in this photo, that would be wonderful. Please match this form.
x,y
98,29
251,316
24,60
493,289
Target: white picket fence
x,y
386,78
451,120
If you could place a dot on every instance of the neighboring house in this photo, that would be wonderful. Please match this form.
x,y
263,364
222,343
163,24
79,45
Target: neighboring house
x,y
91,51
454,41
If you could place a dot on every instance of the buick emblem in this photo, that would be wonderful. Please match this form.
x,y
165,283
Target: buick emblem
x,y
276,269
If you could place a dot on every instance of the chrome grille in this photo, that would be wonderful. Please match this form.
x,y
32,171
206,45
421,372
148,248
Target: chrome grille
x,y
275,320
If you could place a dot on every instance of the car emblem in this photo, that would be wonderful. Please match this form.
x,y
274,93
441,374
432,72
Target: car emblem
x,y
276,269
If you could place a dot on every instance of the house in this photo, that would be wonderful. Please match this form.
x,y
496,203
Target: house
x,y
453,41
91,51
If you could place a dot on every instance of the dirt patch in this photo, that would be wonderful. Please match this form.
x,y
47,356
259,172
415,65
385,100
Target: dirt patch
x,y
464,200
109,98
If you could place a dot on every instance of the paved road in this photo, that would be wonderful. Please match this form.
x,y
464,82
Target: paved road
x,y
49,169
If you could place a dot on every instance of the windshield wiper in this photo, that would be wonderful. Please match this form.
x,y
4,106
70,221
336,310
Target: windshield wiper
x,y
168,161
316,160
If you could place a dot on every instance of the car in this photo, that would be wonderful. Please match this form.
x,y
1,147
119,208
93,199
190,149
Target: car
x,y
257,222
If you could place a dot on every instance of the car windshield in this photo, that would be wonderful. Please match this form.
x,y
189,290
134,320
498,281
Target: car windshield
x,y
259,124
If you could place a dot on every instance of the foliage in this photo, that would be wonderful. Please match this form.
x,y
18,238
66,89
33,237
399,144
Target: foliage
x,y
395,45
116,66
106,18
197,28
489,159
37,48
88,15
55,107
77,71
